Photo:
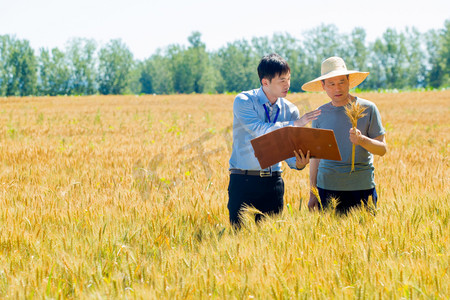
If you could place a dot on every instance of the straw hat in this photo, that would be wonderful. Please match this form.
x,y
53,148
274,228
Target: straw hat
x,y
332,67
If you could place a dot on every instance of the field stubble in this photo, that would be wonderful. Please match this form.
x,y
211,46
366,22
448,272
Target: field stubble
x,y
126,196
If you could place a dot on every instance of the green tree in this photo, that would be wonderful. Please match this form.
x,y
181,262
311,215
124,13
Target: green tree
x,y
81,62
395,59
199,60
445,53
134,82
388,62
54,73
146,78
320,43
115,63
5,41
438,44
357,52
377,77
190,67
436,71
415,74
290,49
238,66
214,70
209,81
262,46
156,75
19,68
180,67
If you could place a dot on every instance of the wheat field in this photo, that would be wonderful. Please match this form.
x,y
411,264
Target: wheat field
x,y
125,197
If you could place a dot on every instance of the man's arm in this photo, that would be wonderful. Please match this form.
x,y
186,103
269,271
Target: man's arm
x,y
313,169
306,118
247,116
375,146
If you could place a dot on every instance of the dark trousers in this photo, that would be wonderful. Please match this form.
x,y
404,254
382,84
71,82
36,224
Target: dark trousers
x,y
263,193
347,199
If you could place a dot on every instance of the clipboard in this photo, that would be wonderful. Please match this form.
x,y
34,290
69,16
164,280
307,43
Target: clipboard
x,y
278,145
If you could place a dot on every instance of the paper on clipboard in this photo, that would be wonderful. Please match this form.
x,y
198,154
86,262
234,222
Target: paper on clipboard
x,y
280,144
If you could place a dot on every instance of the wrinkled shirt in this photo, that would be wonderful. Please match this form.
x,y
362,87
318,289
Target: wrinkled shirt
x,y
250,121
335,175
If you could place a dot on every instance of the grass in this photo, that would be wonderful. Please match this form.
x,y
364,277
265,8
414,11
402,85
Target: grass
x,y
125,197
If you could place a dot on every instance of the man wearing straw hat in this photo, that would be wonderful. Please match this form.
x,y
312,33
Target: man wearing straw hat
x,y
255,113
349,184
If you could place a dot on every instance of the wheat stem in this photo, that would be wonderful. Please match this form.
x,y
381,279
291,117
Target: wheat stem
x,y
354,113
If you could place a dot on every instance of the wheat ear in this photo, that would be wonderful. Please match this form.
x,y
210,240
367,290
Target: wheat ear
x,y
354,112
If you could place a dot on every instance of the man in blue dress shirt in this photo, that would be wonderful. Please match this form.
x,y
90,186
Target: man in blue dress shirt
x,y
255,113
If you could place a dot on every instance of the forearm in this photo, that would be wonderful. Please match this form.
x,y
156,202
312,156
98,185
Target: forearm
x,y
313,169
258,127
374,146
306,118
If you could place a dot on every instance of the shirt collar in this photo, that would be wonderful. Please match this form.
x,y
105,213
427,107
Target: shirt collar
x,y
263,98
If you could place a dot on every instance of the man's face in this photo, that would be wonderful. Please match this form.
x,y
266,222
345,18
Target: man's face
x,y
278,86
337,89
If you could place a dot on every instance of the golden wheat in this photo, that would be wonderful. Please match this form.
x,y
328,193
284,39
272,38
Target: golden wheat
x,y
126,197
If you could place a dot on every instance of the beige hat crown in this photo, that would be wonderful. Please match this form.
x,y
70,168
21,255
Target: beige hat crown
x,y
332,67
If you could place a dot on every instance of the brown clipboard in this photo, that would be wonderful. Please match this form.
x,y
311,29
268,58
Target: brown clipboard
x,y
280,144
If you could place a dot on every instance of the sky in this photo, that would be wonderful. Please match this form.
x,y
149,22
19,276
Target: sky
x,y
147,25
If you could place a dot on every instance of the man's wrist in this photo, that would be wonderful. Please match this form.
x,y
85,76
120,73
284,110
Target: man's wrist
x,y
298,168
364,139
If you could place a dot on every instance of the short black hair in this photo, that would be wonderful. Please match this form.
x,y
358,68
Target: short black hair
x,y
272,65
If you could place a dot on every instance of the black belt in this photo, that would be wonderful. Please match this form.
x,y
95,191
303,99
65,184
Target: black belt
x,y
256,173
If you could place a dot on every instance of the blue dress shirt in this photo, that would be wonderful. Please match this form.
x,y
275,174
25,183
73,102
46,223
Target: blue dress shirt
x,y
250,120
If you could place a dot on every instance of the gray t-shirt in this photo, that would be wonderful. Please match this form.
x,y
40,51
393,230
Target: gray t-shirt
x,y
335,175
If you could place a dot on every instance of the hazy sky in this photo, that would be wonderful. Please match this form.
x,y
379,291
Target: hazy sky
x,y
145,26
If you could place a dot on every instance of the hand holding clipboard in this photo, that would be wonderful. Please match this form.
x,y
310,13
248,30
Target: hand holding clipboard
x,y
280,144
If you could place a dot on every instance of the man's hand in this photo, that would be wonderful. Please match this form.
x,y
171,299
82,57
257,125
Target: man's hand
x,y
301,161
306,118
376,146
355,136
313,203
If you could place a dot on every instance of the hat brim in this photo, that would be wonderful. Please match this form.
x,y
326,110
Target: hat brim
x,y
355,78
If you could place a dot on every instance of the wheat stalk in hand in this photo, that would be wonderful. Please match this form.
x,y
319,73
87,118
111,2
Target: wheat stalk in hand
x,y
354,112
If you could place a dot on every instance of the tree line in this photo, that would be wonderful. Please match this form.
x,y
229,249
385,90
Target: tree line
x,y
396,60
